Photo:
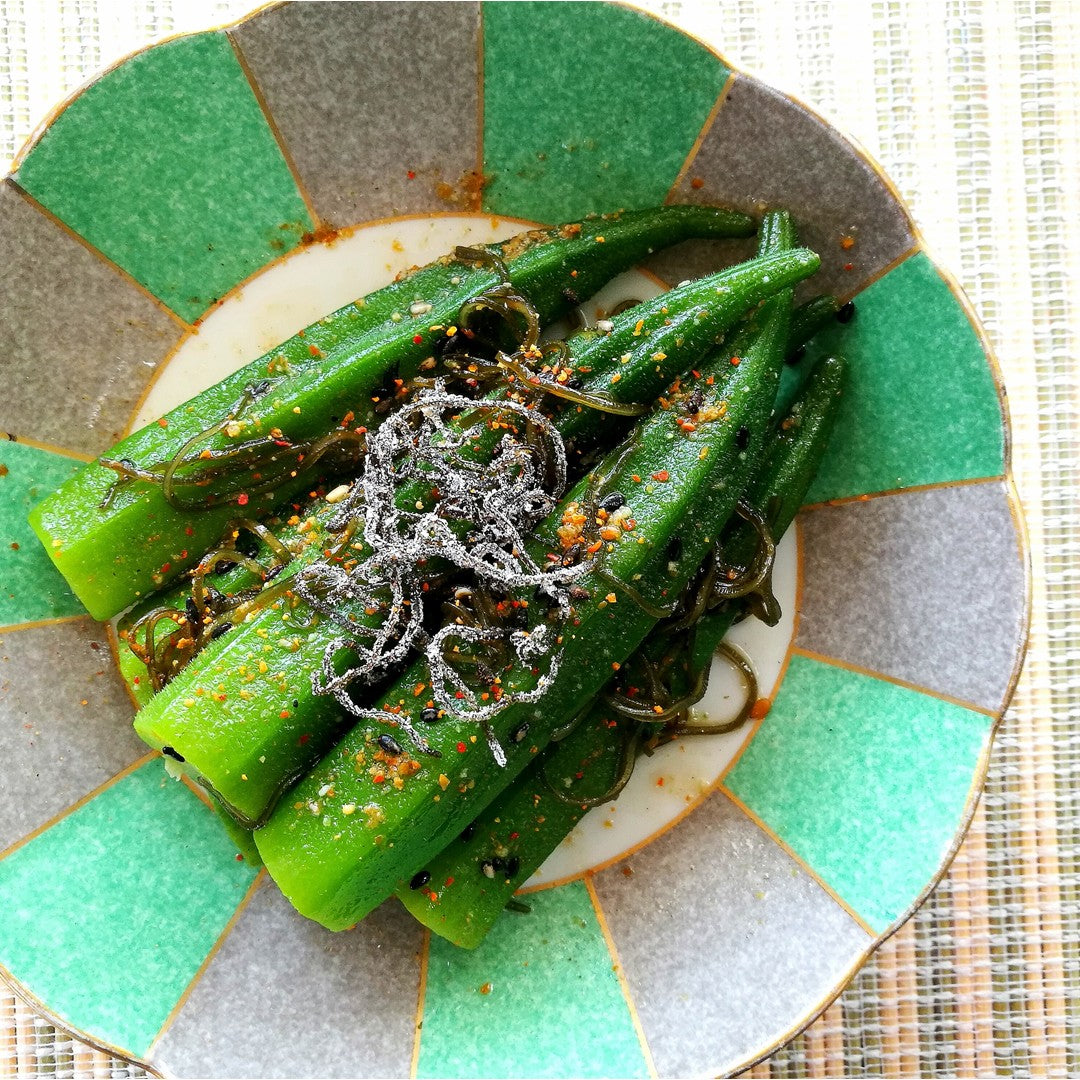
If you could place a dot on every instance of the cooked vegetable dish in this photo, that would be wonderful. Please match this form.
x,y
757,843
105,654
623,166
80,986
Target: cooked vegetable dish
x,y
408,595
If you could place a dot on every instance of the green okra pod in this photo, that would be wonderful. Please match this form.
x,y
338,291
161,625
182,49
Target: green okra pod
x,y
117,537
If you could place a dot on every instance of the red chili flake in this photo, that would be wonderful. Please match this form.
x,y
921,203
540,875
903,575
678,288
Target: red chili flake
x,y
849,266
242,499
660,782
514,835
661,477
284,715
411,175
697,183
163,422
449,882
760,708
486,988
461,748
736,361
166,567
378,778
189,531
239,857
417,339
314,350
303,738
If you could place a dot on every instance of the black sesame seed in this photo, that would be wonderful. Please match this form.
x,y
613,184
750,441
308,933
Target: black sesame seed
x,y
795,356
221,628
612,502
191,611
168,751
571,297
259,388
742,438
273,571
846,313
469,831
429,716
513,865
389,744
573,554
519,733
419,879
224,566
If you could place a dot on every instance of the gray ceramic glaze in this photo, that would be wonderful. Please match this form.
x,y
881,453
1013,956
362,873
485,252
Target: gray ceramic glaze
x,y
285,998
906,584
365,94
66,721
766,941
80,339
745,160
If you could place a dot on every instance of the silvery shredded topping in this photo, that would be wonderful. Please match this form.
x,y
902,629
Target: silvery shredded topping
x,y
478,524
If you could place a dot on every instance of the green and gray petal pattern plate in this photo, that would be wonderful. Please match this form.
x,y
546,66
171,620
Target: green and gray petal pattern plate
x,y
193,166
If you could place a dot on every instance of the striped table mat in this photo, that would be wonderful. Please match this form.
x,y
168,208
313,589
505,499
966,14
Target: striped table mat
x,y
973,108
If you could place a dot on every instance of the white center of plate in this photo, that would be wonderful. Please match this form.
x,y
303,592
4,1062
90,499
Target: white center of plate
x,y
315,280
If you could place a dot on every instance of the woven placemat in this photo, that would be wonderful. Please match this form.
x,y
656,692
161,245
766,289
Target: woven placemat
x,y
973,108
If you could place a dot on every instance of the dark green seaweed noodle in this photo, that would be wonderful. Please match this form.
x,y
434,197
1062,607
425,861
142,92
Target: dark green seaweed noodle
x,y
253,466
652,714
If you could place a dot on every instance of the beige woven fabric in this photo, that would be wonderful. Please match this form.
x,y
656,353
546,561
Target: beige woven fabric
x,y
973,108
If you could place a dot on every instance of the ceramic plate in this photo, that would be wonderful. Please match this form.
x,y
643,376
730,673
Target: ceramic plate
x,y
207,197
